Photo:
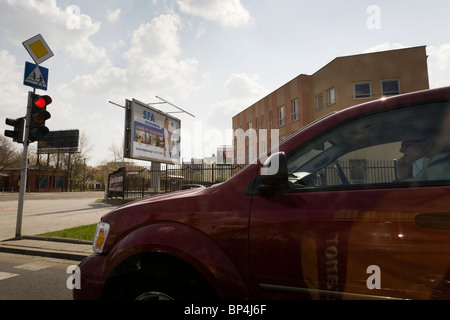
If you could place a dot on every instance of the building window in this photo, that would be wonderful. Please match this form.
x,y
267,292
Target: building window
x,y
319,102
362,90
263,123
281,116
390,87
294,110
331,97
249,125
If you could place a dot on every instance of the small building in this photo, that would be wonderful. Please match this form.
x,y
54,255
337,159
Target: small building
x,y
39,179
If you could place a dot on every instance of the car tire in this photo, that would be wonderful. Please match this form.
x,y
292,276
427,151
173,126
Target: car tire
x,y
161,282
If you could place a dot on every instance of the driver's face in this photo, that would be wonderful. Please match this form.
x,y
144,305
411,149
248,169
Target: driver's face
x,y
413,149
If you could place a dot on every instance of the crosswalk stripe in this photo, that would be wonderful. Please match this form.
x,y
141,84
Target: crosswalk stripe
x,y
6,275
34,266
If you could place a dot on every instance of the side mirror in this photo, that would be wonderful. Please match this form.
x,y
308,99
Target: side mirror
x,y
274,173
274,170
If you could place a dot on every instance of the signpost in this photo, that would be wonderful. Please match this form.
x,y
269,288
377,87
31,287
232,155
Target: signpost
x,y
36,77
38,49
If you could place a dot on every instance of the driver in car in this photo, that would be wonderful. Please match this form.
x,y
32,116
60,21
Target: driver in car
x,y
426,157
414,148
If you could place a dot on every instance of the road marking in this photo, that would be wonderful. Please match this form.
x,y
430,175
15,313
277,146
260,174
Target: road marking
x,y
6,275
34,266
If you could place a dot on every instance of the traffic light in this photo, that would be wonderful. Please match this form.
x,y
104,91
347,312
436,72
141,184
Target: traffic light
x,y
39,115
17,133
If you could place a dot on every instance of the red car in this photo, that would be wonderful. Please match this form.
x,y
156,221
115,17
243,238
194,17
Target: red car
x,y
354,206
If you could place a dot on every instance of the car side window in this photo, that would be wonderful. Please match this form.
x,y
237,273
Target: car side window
x,y
395,146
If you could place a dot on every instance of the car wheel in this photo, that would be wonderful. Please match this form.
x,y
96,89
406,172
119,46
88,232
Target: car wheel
x,y
153,296
161,282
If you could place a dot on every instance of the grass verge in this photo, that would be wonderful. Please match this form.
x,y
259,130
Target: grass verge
x,y
78,233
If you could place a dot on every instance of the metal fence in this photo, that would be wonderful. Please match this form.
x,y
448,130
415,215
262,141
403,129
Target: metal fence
x,y
139,182
363,172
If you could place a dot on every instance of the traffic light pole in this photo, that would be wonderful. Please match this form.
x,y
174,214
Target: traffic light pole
x,y
23,175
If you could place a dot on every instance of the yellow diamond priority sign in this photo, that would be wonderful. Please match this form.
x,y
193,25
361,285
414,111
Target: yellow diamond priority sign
x,y
38,49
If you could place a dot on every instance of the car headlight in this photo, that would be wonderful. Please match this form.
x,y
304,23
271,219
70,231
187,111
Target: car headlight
x,y
101,233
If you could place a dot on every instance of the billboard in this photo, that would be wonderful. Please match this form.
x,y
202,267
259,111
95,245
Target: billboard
x,y
151,134
224,155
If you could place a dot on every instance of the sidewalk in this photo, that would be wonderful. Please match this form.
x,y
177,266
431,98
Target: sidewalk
x,y
48,247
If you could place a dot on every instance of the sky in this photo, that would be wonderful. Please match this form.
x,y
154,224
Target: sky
x,y
211,58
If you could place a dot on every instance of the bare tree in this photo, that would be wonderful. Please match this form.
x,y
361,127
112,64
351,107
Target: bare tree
x,y
9,154
76,164
117,153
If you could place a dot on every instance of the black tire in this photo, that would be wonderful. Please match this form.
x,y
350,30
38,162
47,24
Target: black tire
x,y
161,281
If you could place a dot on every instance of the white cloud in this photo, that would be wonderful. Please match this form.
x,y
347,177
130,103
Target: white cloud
x,y
439,65
14,97
216,124
155,40
113,15
242,91
64,30
104,81
229,13
155,57
440,56
241,86
385,46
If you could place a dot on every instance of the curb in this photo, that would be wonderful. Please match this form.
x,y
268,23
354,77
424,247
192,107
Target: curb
x,y
66,240
7,246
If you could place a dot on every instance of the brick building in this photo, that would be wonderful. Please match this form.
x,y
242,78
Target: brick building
x,y
342,83
39,180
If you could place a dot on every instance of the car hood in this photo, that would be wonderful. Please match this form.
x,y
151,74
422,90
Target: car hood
x,y
166,196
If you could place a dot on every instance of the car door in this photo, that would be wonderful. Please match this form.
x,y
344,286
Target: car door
x,y
345,225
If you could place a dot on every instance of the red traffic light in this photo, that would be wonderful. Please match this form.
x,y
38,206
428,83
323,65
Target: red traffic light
x,y
39,115
42,101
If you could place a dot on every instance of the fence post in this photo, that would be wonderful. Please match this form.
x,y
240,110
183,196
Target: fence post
x,y
167,181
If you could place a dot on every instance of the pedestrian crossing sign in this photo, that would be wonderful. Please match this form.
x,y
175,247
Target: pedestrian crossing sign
x,y
35,76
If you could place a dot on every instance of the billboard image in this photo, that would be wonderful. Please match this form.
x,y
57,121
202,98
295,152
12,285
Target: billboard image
x,y
151,134
224,155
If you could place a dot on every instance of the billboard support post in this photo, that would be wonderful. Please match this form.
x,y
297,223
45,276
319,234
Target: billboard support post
x,y
155,178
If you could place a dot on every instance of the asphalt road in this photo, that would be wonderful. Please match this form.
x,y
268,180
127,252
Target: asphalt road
x,y
34,278
46,212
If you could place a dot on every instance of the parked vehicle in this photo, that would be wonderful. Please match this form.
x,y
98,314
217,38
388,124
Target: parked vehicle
x,y
335,213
